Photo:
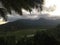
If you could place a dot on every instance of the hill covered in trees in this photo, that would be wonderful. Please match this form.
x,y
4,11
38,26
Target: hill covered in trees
x,y
29,24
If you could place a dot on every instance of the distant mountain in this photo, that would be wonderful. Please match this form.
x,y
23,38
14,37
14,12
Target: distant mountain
x,y
28,24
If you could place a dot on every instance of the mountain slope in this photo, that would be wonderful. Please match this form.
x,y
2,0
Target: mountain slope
x,y
28,24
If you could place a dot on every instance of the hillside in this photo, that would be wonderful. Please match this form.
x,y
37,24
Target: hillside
x,y
29,24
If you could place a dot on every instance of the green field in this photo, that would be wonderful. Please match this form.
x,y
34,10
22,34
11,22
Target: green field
x,y
20,33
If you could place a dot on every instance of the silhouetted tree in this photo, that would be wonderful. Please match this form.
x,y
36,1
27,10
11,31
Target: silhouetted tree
x,y
3,13
17,5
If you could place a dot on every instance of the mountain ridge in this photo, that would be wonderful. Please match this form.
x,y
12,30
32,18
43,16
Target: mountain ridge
x,y
28,24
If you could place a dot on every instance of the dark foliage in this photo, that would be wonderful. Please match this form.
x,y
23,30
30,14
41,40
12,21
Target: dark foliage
x,y
3,13
40,38
17,5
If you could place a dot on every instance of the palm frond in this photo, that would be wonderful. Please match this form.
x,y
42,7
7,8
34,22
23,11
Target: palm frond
x,y
17,5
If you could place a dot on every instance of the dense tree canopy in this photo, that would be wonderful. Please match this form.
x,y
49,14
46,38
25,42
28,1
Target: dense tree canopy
x,y
17,5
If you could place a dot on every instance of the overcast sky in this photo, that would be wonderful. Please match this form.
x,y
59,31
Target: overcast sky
x,y
36,15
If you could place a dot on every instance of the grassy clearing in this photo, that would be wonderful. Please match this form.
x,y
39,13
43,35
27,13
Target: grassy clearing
x,y
20,33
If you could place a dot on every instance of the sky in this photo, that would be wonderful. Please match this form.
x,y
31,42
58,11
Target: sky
x,y
47,12
54,4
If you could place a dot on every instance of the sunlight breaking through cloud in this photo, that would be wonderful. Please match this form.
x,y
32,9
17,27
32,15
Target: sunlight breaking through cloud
x,y
50,3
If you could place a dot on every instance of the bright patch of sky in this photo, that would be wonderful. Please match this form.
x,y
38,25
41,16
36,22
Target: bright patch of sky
x,y
54,4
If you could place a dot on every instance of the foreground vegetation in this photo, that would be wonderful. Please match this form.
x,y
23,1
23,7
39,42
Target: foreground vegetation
x,y
39,38
31,37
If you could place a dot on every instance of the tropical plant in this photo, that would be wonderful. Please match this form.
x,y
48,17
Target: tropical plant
x,y
17,5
